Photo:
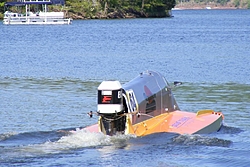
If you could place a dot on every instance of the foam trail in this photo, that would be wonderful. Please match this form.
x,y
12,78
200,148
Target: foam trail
x,y
201,140
7,135
83,138
76,139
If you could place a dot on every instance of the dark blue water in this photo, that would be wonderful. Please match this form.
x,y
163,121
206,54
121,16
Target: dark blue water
x,y
49,76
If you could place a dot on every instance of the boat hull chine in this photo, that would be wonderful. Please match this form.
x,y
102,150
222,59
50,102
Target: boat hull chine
x,y
180,122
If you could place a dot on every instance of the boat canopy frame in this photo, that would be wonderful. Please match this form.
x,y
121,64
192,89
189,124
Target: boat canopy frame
x,y
34,2
33,9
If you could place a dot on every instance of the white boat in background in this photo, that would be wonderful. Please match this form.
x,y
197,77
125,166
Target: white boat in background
x,y
39,17
176,9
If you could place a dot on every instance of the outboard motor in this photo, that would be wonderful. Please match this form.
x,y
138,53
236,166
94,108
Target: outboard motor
x,y
121,106
110,108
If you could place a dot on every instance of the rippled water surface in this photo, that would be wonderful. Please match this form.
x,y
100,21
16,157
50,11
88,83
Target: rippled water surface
x,y
49,76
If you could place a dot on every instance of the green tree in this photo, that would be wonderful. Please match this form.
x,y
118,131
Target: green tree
x,y
2,6
248,4
236,3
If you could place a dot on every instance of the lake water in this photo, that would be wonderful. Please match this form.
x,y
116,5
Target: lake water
x,y
49,77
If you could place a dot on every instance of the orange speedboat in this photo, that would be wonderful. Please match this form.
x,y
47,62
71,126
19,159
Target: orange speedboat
x,y
146,105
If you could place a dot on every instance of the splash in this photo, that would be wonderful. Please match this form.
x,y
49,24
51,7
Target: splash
x,y
83,138
74,140
77,139
7,135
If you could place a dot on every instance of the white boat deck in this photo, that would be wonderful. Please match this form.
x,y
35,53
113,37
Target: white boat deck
x,y
41,17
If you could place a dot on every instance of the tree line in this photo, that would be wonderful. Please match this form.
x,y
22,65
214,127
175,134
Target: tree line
x,y
113,8
87,9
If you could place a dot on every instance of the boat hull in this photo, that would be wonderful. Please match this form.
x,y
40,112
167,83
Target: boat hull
x,y
181,122
146,105
36,21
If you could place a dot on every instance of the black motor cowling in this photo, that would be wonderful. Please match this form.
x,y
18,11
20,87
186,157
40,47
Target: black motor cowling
x,y
110,108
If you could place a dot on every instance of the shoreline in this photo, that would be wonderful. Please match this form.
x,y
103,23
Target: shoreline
x,y
205,8
187,6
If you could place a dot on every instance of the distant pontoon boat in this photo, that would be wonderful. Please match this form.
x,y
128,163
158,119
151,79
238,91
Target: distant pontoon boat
x,y
38,17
